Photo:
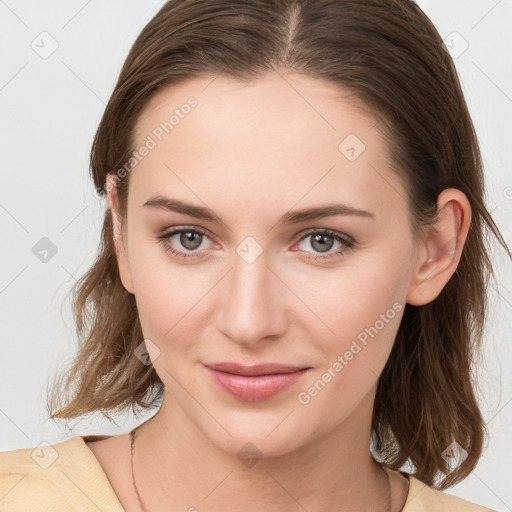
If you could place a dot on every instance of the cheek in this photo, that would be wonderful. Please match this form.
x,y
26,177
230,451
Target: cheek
x,y
343,301
169,316
166,301
353,359
170,298
358,309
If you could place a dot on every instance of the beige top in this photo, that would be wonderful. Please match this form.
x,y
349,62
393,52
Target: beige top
x,y
67,477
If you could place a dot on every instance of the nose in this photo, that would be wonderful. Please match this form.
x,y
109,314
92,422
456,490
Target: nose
x,y
252,303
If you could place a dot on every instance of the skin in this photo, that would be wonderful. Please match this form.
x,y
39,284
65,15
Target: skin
x,y
252,152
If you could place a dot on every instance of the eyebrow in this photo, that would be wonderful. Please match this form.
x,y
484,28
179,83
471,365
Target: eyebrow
x,y
291,217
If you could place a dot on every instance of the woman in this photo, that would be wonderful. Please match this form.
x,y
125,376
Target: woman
x,y
292,267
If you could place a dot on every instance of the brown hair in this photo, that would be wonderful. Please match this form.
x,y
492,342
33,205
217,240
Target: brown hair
x,y
390,56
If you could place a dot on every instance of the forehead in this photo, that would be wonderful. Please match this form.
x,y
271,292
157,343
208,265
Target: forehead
x,y
306,106
279,138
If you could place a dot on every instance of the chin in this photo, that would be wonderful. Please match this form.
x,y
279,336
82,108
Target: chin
x,y
252,439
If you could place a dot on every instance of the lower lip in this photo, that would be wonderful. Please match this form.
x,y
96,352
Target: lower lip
x,y
255,388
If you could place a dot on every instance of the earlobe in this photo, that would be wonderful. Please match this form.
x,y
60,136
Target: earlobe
x,y
440,254
120,248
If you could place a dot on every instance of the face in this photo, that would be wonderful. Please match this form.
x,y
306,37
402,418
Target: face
x,y
256,281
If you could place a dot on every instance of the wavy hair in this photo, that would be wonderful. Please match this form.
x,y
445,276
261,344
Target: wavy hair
x,y
389,55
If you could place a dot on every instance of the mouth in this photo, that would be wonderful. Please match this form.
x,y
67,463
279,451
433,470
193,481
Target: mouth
x,y
254,383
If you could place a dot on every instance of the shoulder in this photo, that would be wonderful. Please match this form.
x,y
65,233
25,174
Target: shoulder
x,y
422,498
63,476
38,473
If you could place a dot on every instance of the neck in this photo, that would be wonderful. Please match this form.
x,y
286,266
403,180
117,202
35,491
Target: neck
x,y
174,463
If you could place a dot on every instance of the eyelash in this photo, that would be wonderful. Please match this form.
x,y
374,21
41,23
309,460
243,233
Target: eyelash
x,y
348,242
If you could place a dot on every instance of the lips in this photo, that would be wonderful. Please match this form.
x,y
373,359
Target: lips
x,y
257,369
254,383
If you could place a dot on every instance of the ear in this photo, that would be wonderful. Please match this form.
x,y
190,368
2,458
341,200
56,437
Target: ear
x,y
440,253
119,243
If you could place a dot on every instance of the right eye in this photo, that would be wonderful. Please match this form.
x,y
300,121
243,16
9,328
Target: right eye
x,y
189,239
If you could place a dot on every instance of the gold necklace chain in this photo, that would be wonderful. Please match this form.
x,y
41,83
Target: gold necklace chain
x,y
132,442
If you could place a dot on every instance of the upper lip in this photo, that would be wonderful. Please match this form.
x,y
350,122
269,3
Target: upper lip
x,y
257,369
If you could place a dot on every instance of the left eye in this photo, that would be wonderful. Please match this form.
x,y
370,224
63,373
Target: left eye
x,y
318,241
322,240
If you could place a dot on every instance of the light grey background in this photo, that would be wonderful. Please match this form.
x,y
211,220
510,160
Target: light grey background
x,y
51,105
